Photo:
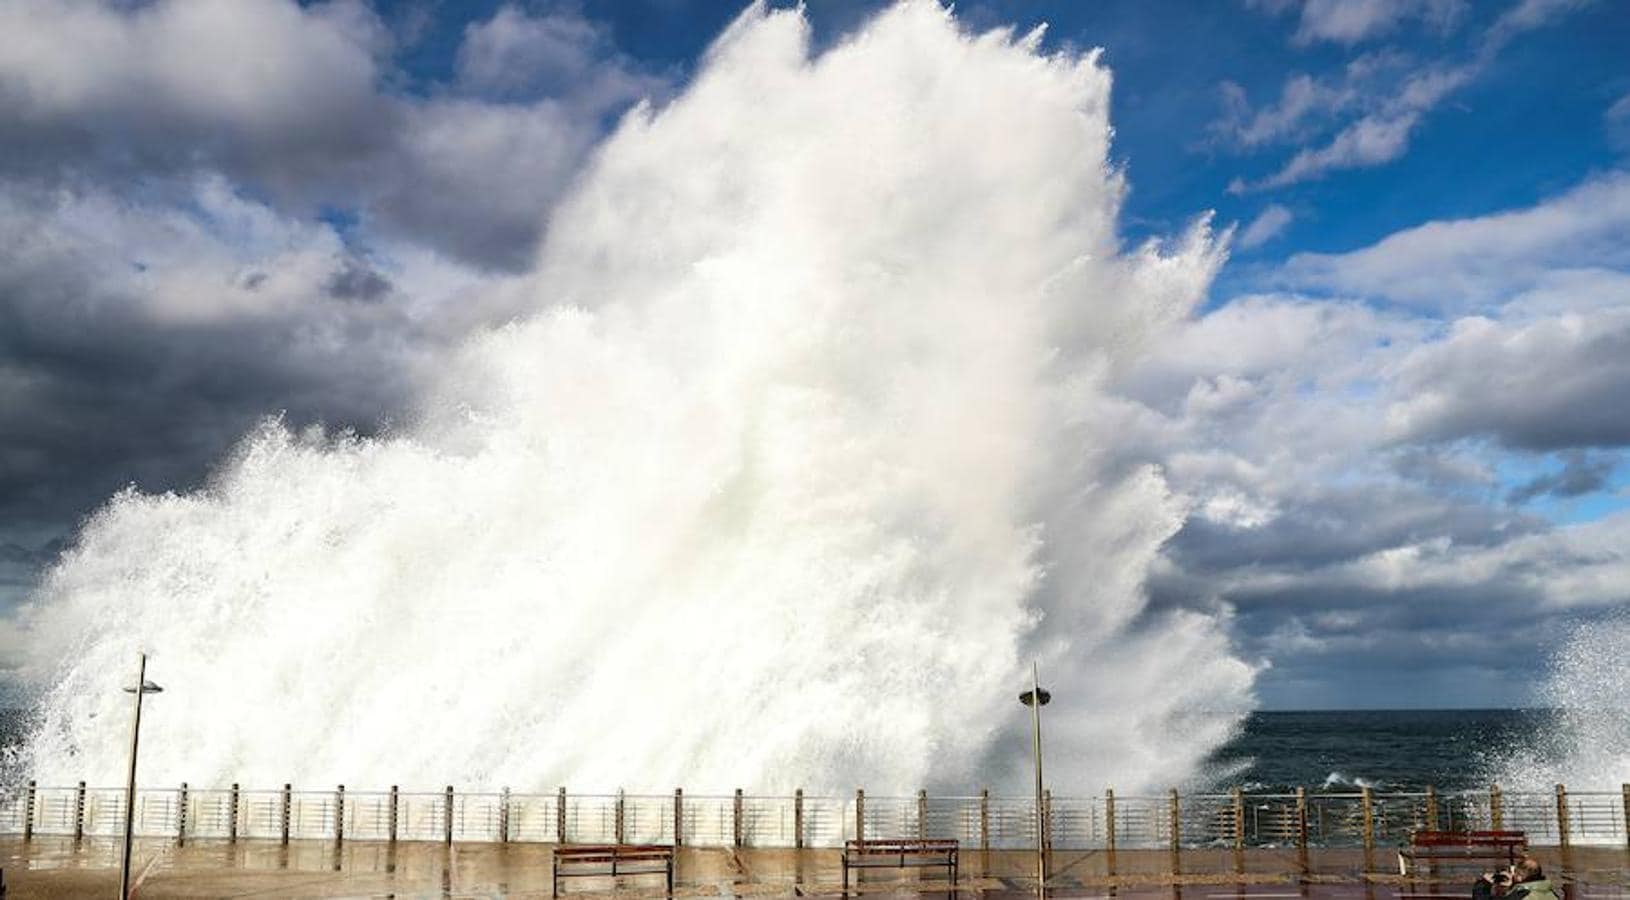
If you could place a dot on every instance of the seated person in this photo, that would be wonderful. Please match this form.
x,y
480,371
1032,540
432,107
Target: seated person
x,y
1523,881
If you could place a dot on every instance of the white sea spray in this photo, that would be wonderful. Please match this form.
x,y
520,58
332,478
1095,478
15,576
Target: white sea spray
x,y
804,454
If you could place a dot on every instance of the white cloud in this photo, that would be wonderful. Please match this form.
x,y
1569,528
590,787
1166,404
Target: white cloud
x,y
1304,102
1269,224
1351,21
1378,137
295,102
1383,445
558,54
1544,384
1617,121
1476,261
1509,329
260,69
1527,15
513,51
1388,114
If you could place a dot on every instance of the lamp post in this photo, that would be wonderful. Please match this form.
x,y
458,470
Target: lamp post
x,y
143,686
1036,698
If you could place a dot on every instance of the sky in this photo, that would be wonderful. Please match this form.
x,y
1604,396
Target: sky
x,y
1397,418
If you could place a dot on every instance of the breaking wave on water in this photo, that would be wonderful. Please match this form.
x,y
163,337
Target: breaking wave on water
x,y
804,452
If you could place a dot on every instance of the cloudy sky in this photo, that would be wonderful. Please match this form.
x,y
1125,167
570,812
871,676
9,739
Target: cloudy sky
x,y
1399,419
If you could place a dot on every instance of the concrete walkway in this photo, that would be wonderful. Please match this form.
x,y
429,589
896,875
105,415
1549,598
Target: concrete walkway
x,y
58,868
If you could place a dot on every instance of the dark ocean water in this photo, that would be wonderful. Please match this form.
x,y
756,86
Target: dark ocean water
x,y
1335,751
1391,750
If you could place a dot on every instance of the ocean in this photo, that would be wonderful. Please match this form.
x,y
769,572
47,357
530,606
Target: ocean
x,y
1397,750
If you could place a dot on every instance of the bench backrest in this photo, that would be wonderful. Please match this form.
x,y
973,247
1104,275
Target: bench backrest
x,y
1468,839
613,852
907,846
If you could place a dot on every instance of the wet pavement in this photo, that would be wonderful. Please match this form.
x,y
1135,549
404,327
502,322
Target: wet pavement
x,y
53,867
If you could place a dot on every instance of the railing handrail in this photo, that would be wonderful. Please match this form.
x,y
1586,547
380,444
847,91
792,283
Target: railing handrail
x,y
1238,818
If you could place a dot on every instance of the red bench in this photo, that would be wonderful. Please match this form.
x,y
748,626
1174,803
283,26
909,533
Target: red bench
x,y
590,860
1504,846
899,853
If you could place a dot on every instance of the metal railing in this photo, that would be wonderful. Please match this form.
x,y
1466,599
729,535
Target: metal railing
x,y
1236,819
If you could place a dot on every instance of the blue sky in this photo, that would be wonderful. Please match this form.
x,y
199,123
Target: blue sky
x,y
1396,412
1530,125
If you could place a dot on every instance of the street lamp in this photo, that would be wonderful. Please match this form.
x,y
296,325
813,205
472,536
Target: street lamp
x,y
143,686
1036,698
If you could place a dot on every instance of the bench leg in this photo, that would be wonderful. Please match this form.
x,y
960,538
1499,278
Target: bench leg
x,y
670,876
554,879
845,875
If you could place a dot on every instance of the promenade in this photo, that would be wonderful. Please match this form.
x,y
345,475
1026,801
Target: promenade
x,y
59,867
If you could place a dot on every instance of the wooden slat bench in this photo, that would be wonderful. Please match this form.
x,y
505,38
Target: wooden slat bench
x,y
899,853
603,860
1506,846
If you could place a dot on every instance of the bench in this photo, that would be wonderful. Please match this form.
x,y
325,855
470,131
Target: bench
x,y
1506,846
602,860
899,853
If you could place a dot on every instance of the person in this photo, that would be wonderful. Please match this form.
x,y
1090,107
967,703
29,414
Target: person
x,y
1492,885
1523,881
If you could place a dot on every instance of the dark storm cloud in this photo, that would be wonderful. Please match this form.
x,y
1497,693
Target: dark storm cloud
x,y
355,280
112,374
1397,622
1546,385
1340,525
167,273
